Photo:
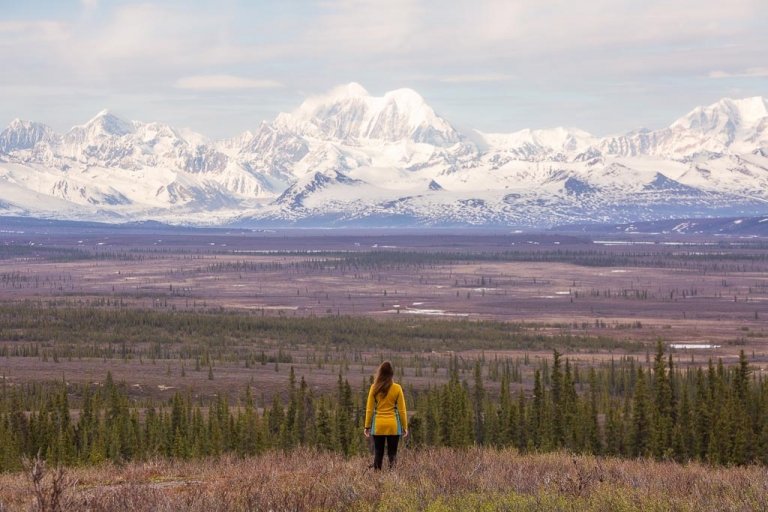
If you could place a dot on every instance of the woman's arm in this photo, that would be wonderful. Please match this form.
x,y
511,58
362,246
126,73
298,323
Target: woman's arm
x,y
402,411
369,412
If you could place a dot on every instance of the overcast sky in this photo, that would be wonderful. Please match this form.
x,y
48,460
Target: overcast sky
x,y
221,67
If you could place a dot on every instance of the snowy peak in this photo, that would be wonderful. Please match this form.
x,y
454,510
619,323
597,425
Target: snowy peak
x,y
349,114
403,113
104,126
727,126
738,126
554,140
20,135
111,142
107,123
727,115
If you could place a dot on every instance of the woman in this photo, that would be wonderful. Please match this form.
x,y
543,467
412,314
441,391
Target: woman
x,y
385,415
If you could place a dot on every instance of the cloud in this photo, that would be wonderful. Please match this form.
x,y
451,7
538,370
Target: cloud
x,y
747,73
21,32
614,54
368,26
453,42
474,78
536,41
224,82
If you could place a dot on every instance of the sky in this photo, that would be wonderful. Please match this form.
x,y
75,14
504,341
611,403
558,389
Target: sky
x,y
222,67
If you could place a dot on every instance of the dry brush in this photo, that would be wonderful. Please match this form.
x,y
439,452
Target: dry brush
x,y
431,479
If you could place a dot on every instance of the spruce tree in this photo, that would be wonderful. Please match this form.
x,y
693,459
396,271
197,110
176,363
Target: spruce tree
x,y
662,421
537,425
559,412
478,399
641,421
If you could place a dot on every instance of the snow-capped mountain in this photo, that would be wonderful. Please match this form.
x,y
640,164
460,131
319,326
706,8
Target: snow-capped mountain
x,y
348,157
350,114
728,126
24,135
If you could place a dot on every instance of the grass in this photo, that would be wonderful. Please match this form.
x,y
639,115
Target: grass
x,y
432,480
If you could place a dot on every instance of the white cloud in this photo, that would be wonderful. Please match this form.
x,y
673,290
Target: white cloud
x,y
749,72
503,53
224,82
474,78
17,33
354,39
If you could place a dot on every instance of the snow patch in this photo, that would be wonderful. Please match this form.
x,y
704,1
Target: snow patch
x,y
693,346
433,312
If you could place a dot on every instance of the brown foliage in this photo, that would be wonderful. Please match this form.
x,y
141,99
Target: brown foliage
x,y
49,489
310,480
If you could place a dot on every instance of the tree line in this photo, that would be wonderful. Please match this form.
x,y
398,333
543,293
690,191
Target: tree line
x,y
715,414
76,332
721,257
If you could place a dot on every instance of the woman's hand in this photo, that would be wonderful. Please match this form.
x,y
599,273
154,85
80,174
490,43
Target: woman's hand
x,y
367,432
405,434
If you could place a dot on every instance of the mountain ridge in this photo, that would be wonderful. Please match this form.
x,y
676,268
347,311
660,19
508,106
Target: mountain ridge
x,y
350,157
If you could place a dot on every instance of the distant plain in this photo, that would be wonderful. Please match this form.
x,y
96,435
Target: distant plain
x,y
632,291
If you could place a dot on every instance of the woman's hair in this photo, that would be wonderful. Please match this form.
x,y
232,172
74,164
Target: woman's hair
x,y
383,380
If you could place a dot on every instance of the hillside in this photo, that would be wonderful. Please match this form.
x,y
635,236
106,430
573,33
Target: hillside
x,y
435,480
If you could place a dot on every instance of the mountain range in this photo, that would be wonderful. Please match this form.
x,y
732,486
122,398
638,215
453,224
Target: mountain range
x,y
350,158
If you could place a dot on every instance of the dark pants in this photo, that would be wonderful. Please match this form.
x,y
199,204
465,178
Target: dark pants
x,y
378,450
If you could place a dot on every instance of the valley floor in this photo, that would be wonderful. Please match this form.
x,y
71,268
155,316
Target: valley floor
x,y
434,480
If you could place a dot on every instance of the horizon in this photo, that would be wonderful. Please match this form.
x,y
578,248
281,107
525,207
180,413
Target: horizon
x,y
328,93
220,70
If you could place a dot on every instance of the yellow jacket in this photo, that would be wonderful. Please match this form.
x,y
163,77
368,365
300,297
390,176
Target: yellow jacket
x,y
386,416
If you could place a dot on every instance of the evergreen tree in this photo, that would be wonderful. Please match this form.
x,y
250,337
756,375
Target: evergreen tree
x,y
344,424
559,412
478,401
641,422
537,425
662,426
